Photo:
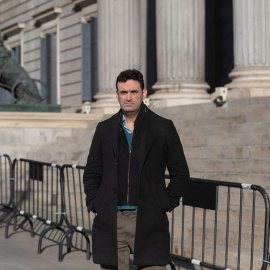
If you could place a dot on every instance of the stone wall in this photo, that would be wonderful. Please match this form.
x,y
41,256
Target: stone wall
x,y
57,138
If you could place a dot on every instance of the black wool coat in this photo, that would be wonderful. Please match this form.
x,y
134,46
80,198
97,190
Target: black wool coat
x,y
160,147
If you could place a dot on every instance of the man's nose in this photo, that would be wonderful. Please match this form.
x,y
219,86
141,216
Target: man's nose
x,y
128,95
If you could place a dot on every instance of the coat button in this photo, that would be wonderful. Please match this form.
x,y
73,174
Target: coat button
x,y
116,164
114,190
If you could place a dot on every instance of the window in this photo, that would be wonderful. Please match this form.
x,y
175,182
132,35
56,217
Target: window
x,y
48,67
48,21
89,60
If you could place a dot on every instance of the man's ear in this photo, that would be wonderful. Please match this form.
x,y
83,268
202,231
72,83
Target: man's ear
x,y
144,94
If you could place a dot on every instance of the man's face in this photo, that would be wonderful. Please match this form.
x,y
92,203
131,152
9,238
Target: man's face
x,y
130,96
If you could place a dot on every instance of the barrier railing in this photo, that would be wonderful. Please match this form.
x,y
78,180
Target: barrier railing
x,y
76,215
37,193
6,181
222,225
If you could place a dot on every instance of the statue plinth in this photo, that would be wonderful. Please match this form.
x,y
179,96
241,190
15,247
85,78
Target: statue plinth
x,y
30,108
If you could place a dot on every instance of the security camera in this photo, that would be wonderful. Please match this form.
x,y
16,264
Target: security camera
x,y
221,96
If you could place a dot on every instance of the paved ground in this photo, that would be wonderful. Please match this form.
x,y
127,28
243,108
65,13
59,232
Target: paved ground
x,y
19,251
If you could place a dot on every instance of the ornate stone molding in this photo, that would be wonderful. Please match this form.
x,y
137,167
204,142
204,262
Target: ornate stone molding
x,y
12,30
46,16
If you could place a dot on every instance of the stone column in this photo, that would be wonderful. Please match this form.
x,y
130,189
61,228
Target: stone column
x,y
180,53
251,74
118,48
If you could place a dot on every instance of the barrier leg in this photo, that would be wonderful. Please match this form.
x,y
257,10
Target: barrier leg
x,y
60,258
44,233
41,237
87,246
15,217
65,235
32,227
15,223
172,264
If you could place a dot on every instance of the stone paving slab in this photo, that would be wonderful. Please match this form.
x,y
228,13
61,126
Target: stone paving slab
x,y
19,252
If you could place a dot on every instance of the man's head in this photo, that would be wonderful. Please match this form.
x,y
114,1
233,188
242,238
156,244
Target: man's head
x,y
130,74
130,91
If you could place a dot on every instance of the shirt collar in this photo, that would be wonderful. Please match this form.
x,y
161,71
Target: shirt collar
x,y
124,122
123,119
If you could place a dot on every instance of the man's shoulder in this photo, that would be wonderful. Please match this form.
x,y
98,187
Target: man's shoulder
x,y
109,121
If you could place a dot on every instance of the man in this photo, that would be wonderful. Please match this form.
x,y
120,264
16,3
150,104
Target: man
x,y
124,181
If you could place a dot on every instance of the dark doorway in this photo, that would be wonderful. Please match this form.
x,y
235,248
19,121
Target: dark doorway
x,y
151,62
219,60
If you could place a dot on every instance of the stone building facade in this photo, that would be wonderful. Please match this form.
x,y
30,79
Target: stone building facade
x,y
78,47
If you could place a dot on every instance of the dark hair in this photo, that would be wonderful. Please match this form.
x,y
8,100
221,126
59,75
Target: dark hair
x,y
130,74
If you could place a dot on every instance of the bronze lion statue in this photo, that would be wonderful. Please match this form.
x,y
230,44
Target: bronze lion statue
x,y
15,79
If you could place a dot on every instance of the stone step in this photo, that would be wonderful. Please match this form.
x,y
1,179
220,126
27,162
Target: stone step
x,y
233,152
241,166
244,128
261,184
238,140
246,139
249,101
242,110
46,120
212,121
261,180
215,152
206,111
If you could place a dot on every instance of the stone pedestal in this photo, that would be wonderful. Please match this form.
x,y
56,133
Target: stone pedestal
x,y
181,53
118,48
250,76
36,107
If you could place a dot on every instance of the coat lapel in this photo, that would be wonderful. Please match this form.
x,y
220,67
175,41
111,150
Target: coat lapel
x,y
115,136
148,136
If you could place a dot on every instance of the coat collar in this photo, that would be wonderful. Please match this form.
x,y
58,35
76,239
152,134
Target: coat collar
x,y
115,134
147,138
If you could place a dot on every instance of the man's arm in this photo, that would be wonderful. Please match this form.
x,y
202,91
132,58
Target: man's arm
x,y
177,167
93,171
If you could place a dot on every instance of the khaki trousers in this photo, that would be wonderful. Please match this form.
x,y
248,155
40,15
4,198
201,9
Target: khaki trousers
x,y
126,226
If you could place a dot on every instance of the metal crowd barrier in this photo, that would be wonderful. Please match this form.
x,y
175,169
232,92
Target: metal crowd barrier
x,y
222,225
37,194
6,181
77,217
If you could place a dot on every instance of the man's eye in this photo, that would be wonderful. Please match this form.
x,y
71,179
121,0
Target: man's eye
x,y
123,92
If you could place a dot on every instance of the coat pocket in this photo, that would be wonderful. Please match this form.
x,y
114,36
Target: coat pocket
x,y
164,202
97,201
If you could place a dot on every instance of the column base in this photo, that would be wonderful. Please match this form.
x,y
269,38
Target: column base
x,y
175,94
106,103
249,83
